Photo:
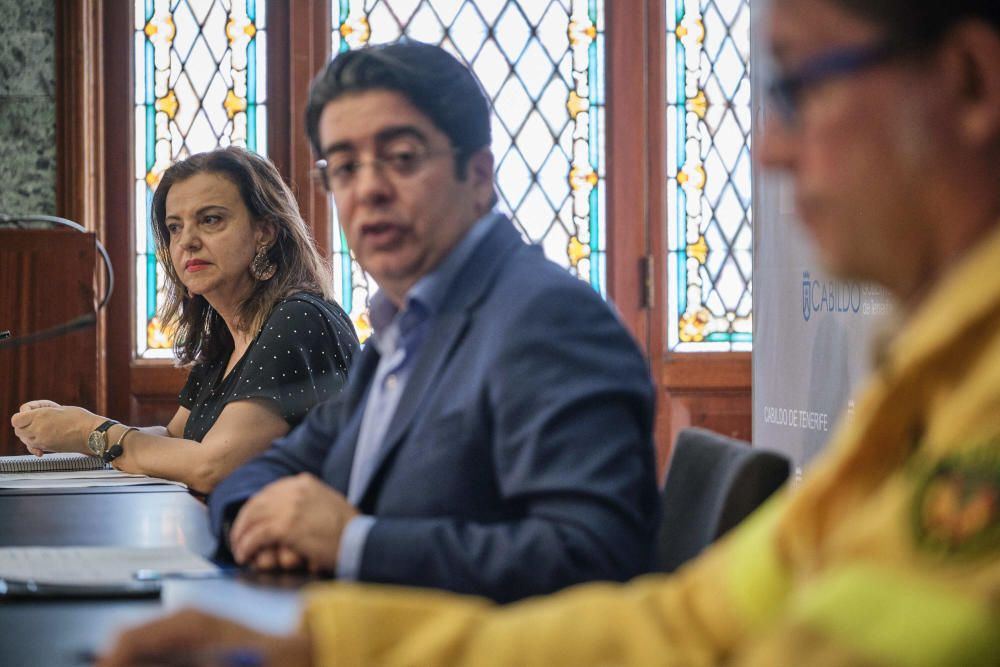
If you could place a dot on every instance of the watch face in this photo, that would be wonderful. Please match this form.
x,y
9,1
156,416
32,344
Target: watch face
x,y
96,442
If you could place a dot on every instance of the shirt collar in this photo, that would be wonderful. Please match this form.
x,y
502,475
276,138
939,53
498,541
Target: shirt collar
x,y
430,291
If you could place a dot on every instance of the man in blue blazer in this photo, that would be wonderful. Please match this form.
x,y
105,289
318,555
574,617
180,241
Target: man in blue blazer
x,y
495,435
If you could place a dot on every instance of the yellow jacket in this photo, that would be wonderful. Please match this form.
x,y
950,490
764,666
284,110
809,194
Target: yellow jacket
x,y
888,554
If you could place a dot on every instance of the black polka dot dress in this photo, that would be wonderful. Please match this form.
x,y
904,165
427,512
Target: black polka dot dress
x,y
299,358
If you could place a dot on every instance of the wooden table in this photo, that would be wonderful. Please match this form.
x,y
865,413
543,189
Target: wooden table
x,y
56,633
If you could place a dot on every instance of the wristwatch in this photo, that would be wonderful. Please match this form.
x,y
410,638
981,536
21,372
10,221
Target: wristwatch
x,y
97,442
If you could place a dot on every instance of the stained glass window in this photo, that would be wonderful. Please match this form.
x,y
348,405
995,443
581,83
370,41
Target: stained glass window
x,y
199,85
542,64
709,227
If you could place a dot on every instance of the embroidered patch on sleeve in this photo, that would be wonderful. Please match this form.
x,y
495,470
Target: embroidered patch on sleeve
x,y
956,507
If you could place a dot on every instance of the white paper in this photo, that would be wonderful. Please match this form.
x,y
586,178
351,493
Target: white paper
x,y
68,474
96,565
76,479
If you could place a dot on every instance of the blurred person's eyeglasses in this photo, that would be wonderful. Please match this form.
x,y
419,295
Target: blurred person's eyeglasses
x,y
786,90
340,173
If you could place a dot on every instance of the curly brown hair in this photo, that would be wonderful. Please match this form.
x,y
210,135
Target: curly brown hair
x,y
201,335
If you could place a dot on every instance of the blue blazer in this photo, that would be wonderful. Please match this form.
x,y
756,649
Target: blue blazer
x,y
520,458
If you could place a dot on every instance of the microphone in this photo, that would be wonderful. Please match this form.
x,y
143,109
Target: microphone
x,y
81,322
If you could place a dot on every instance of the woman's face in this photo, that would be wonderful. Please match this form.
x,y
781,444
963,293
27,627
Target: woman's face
x,y
213,239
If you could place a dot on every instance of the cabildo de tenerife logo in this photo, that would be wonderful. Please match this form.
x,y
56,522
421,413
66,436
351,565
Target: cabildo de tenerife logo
x,y
841,298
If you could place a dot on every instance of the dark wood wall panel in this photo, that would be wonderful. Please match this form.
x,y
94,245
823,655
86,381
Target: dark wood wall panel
x,y
46,279
117,188
154,389
724,411
710,390
299,34
79,128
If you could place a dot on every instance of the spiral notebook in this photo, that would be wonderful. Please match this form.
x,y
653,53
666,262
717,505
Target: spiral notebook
x,y
51,463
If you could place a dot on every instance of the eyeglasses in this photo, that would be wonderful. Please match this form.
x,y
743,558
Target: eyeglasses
x,y
786,90
339,173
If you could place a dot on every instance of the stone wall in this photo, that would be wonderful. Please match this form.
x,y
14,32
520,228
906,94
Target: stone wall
x,y
27,107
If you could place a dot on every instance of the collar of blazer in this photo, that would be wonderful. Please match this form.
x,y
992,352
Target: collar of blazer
x,y
471,285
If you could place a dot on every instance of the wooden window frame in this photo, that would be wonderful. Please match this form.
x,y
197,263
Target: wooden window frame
x,y
708,389
94,168
94,176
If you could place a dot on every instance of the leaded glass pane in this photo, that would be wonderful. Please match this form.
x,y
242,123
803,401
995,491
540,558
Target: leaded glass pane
x,y
709,227
199,85
542,64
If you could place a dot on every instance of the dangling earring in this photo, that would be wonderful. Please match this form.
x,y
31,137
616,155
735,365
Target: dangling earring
x,y
262,268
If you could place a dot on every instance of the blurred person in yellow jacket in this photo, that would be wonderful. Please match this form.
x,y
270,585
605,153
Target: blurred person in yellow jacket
x,y
889,552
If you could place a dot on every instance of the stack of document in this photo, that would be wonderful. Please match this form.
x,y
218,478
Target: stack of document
x,y
38,573
100,565
56,471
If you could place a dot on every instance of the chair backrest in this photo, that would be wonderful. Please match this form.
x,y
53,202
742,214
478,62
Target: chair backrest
x,y
713,483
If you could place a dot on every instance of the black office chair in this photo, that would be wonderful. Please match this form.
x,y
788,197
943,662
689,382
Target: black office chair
x,y
713,483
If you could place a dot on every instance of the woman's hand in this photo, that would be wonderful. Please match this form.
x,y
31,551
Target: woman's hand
x,y
45,426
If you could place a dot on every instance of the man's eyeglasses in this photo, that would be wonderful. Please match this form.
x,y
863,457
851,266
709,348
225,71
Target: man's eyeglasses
x,y
786,90
340,172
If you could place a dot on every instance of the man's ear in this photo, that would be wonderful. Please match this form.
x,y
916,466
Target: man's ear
x,y
976,66
479,170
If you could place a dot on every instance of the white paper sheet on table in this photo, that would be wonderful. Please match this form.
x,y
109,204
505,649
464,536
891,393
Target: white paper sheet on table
x,y
96,565
76,478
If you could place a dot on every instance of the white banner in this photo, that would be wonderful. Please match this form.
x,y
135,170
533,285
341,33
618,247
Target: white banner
x,y
812,334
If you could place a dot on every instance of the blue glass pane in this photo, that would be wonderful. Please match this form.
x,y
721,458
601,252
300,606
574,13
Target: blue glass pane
x,y
709,233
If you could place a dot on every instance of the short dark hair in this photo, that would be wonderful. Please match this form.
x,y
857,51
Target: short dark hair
x,y
917,23
201,335
434,82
